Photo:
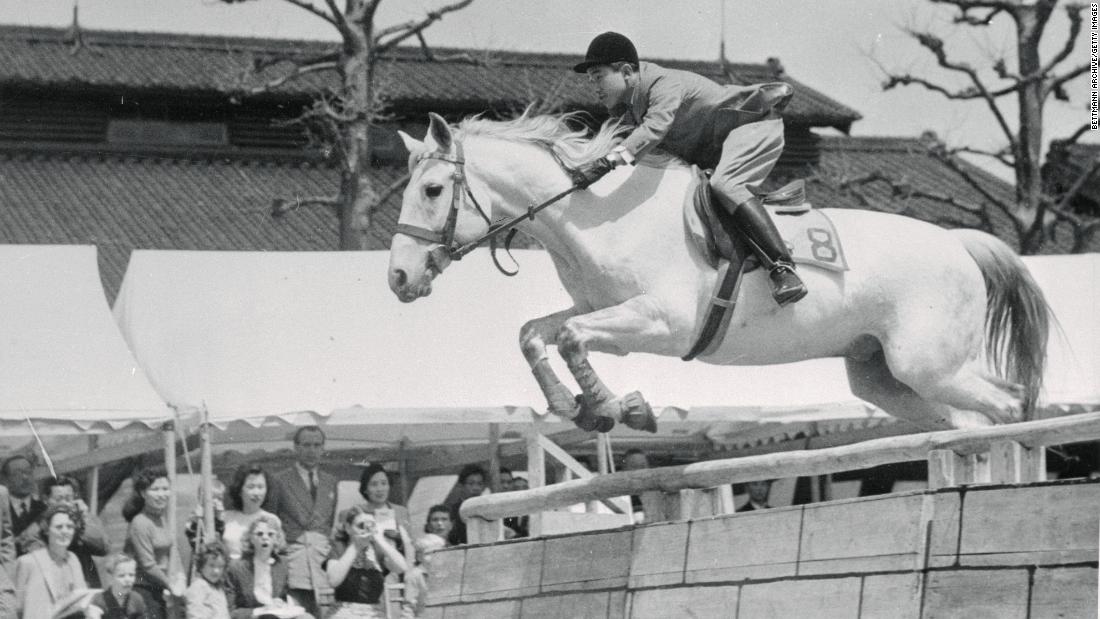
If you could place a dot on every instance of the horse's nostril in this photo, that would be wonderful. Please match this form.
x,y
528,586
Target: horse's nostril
x,y
400,277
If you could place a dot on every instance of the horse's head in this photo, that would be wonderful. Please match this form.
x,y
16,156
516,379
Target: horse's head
x,y
438,211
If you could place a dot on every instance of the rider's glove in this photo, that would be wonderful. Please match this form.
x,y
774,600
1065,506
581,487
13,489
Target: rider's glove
x,y
591,172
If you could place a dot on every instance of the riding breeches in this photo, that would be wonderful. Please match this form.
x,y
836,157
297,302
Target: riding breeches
x,y
749,153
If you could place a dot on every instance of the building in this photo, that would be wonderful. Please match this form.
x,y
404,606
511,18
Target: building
x,y
144,140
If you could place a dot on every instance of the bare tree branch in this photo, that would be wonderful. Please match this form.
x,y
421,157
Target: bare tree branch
x,y
1073,11
1055,84
894,80
935,45
1075,188
401,32
262,63
296,73
306,5
940,154
282,206
1076,135
965,17
1004,155
969,5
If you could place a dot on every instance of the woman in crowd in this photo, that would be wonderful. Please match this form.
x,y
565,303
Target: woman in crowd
x,y
360,553
149,541
246,497
48,578
392,519
256,584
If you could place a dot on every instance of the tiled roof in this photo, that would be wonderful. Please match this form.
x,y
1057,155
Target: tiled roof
x,y
505,80
1066,163
906,161
124,203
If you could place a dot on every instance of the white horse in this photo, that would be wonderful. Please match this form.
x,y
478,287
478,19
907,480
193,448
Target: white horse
x,y
943,328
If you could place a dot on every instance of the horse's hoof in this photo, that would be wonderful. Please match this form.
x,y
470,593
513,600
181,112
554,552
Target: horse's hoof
x,y
591,422
637,413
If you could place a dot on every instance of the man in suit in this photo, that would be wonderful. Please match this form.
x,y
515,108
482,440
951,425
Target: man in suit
x,y
7,558
736,130
304,499
18,476
759,491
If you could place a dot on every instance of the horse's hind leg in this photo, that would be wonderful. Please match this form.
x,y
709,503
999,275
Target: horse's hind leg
x,y
638,325
870,378
533,339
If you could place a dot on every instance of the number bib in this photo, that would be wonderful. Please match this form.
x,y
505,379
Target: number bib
x,y
811,239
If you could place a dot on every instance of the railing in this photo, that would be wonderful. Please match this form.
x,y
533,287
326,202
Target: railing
x,y
1010,453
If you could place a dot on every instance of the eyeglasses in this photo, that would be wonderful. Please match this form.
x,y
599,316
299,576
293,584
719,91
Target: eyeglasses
x,y
363,525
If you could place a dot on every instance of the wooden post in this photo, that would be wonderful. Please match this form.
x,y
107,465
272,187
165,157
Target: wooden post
x,y
93,478
169,433
944,468
481,531
978,468
827,487
603,453
1013,463
536,472
403,469
206,472
494,456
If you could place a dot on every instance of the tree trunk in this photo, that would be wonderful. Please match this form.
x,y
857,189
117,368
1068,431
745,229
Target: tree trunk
x,y
1029,30
356,186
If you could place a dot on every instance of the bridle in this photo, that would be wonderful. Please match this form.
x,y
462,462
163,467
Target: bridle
x,y
459,186
445,238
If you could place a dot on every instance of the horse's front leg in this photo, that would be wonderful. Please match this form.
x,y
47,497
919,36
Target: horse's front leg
x,y
638,325
533,340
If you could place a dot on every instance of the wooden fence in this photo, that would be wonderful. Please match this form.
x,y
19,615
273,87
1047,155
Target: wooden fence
x,y
1012,453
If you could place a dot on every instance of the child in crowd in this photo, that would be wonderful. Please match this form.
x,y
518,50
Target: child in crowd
x,y
206,595
416,579
119,600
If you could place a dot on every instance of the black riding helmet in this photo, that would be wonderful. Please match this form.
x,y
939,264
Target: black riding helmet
x,y
608,48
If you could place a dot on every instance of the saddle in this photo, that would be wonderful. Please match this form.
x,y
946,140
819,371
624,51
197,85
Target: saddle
x,y
810,236
720,237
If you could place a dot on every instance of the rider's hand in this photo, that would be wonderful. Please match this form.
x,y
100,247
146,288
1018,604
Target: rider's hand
x,y
591,172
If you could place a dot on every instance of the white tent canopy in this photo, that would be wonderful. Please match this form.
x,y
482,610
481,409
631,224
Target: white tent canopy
x,y
263,337
267,340
63,362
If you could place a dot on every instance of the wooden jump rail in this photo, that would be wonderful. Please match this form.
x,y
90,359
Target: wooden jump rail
x,y
1010,453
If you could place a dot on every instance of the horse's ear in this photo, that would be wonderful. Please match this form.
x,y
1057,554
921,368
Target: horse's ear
x,y
439,131
412,144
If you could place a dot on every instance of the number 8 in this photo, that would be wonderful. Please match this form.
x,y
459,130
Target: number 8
x,y
821,244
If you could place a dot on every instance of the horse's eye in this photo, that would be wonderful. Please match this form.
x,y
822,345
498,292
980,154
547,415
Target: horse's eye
x,y
433,191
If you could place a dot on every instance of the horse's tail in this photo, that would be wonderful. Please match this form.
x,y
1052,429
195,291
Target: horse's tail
x,y
1017,319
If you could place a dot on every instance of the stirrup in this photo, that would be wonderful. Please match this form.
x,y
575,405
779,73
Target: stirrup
x,y
793,292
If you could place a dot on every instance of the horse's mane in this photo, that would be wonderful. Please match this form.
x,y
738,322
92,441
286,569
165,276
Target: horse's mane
x,y
561,133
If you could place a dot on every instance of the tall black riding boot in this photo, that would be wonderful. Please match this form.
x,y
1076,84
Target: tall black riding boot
x,y
754,222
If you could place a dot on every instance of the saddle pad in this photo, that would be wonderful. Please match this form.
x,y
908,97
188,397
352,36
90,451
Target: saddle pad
x,y
809,234
811,238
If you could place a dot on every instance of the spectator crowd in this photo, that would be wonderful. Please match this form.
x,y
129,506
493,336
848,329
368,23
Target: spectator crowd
x,y
279,550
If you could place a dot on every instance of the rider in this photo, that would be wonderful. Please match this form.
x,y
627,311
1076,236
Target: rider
x,y
737,130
